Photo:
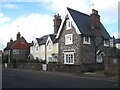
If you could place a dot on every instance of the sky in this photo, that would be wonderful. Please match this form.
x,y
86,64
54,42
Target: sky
x,y
34,18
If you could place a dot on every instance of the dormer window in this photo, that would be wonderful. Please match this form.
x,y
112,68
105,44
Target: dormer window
x,y
68,24
49,46
106,42
86,40
37,48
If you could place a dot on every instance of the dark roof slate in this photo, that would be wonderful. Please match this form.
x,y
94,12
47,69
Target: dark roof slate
x,y
83,23
43,39
117,40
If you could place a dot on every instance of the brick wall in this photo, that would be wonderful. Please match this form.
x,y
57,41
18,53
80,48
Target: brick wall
x,y
75,68
23,54
111,66
27,66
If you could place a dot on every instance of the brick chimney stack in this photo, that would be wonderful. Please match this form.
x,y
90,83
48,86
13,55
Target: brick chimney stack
x,y
95,23
18,35
57,21
11,40
95,19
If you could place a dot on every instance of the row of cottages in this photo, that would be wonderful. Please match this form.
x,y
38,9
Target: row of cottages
x,y
45,48
78,39
16,50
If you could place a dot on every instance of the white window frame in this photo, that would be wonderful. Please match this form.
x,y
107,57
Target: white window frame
x,y
68,39
50,59
50,46
86,40
16,51
67,57
68,25
111,43
106,42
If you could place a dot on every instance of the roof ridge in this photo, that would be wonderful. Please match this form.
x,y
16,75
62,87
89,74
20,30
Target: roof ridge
x,y
77,11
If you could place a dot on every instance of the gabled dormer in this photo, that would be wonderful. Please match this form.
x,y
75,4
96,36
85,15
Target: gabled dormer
x,y
49,44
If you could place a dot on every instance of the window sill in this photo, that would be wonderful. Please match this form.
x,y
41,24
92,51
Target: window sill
x,y
86,43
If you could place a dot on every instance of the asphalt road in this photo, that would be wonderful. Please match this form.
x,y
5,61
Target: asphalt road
x,y
12,78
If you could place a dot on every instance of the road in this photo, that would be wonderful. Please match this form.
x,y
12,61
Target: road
x,y
13,78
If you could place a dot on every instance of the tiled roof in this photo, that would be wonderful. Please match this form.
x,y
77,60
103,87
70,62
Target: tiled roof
x,y
83,22
9,45
17,44
42,40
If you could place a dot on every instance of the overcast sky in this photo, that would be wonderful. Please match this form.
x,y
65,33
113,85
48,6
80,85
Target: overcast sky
x,y
34,18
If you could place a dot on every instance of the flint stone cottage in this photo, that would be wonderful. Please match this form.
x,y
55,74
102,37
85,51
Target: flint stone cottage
x,y
18,49
82,39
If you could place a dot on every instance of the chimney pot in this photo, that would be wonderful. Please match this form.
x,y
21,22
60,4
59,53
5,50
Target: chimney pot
x,y
11,40
18,35
94,11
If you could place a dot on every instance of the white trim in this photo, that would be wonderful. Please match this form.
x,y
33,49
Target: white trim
x,y
50,57
72,21
68,42
68,24
108,43
111,42
49,42
68,53
85,42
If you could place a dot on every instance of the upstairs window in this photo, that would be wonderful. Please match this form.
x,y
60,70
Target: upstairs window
x,y
22,41
15,51
37,48
68,39
111,43
49,46
86,40
106,42
68,25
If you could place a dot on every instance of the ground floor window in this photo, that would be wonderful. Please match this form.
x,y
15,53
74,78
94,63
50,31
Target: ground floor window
x,y
68,57
49,59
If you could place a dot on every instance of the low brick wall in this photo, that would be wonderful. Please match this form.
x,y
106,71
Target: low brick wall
x,y
92,67
111,66
75,68
64,68
28,66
